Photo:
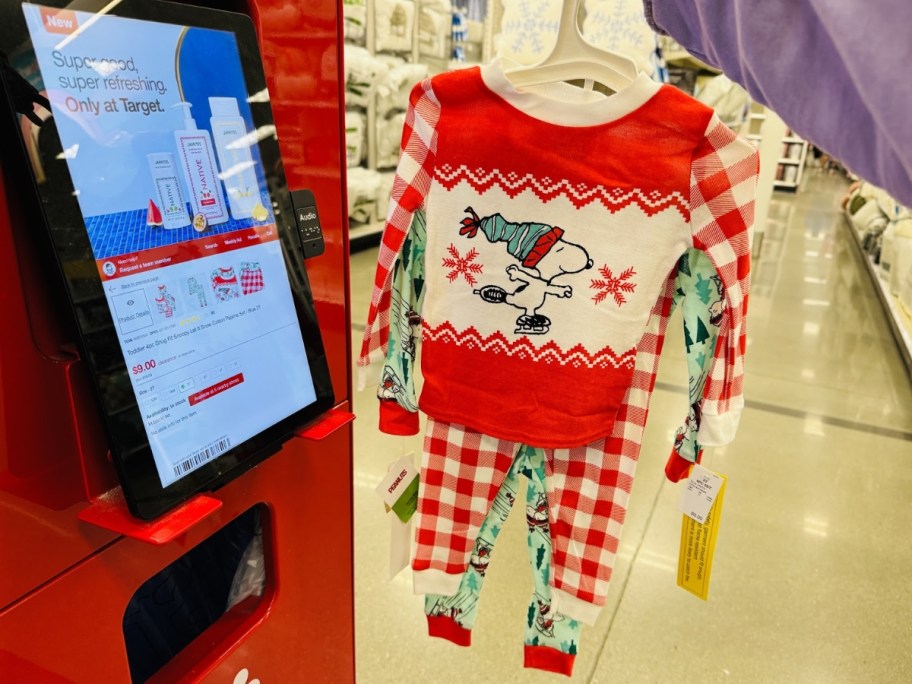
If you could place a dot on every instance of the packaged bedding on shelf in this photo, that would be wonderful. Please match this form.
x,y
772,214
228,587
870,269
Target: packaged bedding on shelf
x,y
885,258
363,193
393,92
444,6
355,129
902,253
389,137
729,100
354,15
387,178
863,208
393,25
434,21
363,74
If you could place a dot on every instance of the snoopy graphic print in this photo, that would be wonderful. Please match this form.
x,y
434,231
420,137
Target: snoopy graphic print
x,y
540,296
536,275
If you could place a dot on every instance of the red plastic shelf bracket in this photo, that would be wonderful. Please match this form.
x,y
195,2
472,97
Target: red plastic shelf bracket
x,y
110,512
325,425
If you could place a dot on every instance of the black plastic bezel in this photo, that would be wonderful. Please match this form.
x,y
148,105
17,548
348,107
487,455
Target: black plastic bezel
x,y
98,342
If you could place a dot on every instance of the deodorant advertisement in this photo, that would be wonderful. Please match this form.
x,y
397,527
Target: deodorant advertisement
x,y
158,136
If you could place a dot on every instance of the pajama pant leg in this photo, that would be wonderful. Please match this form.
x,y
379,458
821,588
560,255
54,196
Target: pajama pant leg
x,y
588,488
461,472
551,639
453,617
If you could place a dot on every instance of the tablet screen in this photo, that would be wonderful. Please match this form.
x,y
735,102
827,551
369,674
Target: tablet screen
x,y
155,125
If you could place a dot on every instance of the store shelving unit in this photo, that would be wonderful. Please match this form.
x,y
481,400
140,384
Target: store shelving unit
x,y
900,322
363,234
756,115
765,130
794,155
368,233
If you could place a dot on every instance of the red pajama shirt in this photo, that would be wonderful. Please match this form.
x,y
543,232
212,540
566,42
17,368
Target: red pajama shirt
x,y
552,236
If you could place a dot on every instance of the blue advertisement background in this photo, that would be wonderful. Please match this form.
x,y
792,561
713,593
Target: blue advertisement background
x,y
209,66
107,152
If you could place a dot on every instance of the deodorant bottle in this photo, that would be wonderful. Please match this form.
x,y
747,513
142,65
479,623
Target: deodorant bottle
x,y
232,144
196,158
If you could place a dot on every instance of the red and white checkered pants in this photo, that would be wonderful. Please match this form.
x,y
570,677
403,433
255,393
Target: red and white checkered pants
x,y
251,278
587,487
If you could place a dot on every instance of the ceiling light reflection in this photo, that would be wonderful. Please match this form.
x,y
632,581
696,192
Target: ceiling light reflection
x,y
816,526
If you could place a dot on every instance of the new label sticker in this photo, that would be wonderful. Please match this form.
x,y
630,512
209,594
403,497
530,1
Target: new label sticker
x,y
59,20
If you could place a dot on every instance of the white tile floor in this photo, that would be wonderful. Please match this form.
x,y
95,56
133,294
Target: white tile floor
x,y
811,581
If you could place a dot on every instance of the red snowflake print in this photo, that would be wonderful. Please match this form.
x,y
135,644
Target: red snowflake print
x,y
613,286
462,265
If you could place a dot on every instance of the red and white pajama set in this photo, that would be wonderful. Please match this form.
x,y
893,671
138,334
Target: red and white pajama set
x,y
553,233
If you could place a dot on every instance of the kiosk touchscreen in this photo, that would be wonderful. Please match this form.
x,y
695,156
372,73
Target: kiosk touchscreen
x,y
148,130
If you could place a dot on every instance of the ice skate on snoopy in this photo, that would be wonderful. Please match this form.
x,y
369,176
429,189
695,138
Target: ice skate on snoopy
x,y
543,256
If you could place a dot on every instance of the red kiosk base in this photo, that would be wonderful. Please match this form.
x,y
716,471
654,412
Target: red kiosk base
x,y
300,630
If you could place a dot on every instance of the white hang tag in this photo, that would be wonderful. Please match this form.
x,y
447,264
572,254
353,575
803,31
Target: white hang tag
x,y
702,488
399,489
400,545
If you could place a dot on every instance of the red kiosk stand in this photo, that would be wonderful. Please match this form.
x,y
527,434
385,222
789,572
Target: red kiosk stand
x,y
65,580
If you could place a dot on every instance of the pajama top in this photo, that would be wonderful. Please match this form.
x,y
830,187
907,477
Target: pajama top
x,y
551,234
697,292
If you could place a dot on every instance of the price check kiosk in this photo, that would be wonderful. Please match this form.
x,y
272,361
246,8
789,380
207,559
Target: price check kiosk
x,y
174,371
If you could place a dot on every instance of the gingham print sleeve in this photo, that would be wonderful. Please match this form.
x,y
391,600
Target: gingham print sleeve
x,y
723,177
396,391
410,188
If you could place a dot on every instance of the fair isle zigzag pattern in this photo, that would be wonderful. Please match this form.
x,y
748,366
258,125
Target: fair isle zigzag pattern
x,y
522,348
547,189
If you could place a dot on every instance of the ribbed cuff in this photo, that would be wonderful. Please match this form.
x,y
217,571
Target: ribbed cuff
x,y
718,429
444,627
570,606
432,581
395,420
548,659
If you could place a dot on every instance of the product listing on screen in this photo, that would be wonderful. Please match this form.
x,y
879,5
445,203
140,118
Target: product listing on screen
x,y
156,127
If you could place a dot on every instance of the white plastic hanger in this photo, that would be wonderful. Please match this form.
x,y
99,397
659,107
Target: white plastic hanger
x,y
575,59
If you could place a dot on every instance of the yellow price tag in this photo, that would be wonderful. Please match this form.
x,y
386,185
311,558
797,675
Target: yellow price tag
x,y
698,543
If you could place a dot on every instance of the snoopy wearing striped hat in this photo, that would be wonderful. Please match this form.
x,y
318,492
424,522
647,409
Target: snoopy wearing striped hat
x,y
543,256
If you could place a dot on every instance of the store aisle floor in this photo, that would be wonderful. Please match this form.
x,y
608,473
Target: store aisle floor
x,y
810,582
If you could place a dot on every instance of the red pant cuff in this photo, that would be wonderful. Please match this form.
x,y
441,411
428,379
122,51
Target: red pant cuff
x,y
548,659
395,420
444,627
678,468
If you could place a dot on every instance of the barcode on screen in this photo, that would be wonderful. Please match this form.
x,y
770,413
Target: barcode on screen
x,y
202,456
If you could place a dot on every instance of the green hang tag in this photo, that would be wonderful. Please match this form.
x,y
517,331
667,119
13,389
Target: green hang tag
x,y
407,504
399,489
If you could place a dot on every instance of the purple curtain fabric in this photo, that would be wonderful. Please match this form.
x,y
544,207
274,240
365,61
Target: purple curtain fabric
x,y
837,72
